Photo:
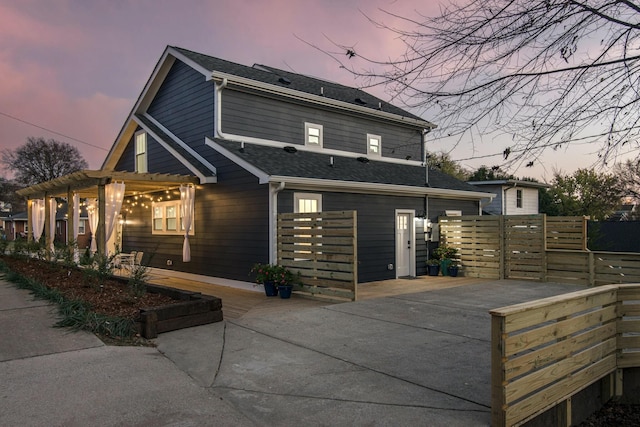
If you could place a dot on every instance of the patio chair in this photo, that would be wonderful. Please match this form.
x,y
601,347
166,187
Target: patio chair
x,y
126,261
137,259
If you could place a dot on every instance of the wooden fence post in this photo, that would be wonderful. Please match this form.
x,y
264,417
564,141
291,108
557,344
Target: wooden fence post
x,y
498,398
502,238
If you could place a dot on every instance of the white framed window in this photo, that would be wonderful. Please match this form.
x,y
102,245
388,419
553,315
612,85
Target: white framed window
x,y
306,203
141,151
374,145
82,227
313,135
166,219
518,198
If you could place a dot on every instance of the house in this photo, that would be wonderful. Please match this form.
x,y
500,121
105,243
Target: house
x,y
258,141
513,196
16,226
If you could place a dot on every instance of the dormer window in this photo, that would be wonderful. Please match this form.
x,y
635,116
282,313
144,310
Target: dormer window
x,y
141,151
313,135
374,145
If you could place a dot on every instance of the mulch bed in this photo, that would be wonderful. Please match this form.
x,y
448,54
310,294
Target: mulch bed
x,y
614,414
111,297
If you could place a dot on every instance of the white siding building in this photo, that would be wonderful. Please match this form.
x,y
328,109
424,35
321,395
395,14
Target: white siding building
x,y
513,197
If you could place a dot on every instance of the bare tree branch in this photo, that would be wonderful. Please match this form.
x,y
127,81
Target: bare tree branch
x,y
545,73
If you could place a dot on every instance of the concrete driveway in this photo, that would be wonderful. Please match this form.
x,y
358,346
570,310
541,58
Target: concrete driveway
x,y
413,359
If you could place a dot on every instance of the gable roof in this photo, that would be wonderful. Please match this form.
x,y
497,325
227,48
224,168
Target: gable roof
x,y
259,77
298,82
274,164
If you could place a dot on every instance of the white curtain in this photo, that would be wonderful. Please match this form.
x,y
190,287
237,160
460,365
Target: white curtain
x,y
53,207
92,211
187,195
76,225
37,218
114,195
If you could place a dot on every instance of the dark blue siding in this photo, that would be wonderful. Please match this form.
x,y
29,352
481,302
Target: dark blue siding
x,y
184,105
231,229
281,120
376,226
159,160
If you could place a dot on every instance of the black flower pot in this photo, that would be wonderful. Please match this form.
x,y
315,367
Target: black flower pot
x,y
285,291
433,270
270,289
453,270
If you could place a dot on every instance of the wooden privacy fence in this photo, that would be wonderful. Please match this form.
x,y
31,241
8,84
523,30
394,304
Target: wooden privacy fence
x,y
479,240
322,247
543,352
534,247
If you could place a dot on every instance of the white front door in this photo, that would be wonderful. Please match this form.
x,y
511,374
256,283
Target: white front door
x,y
405,251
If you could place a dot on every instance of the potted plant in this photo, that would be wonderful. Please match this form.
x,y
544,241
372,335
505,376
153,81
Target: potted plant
x,y
433,266
265,275
446,255
454,268
283,280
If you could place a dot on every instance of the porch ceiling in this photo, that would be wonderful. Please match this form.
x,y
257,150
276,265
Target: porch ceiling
x,y
85,183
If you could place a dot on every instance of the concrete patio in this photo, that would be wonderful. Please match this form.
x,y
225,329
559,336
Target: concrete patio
x,y
419,358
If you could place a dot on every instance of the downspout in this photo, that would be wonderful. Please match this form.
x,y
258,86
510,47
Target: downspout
x,y
484,202
218,109
273,221
424,155
504,197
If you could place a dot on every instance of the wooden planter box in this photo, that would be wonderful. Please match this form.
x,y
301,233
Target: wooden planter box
x,y
190,309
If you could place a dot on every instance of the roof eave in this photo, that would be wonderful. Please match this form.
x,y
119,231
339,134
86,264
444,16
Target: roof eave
x,y
378,188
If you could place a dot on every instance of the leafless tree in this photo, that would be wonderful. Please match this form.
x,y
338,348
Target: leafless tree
x,y
40,160
544,73
629,175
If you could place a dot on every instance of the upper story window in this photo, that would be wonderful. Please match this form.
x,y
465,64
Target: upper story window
x,y
141,151
166,218
374,145
518,198
313,135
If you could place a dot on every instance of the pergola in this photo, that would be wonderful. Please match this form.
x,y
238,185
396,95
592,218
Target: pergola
x,y
91,184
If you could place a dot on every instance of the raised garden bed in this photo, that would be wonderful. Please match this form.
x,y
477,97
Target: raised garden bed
x,y
111,300
191,309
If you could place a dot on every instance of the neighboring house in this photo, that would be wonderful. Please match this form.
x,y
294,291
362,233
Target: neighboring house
x,y
263,141
626,212
16,227
513,196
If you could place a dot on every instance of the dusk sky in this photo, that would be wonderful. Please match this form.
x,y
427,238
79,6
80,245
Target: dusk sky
x,y
76,67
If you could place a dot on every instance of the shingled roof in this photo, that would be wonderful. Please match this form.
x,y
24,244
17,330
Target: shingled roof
x,y
275,161
299,82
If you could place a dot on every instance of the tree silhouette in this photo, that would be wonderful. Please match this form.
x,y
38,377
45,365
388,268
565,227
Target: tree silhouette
x,y
40,160
542,73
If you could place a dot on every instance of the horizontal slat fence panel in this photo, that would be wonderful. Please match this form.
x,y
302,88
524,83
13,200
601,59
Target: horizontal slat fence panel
x,y
616,267
524,245
515,247
322,248
545,351
567,232
479,243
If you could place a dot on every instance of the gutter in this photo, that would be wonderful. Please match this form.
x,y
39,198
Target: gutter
x,y
376,188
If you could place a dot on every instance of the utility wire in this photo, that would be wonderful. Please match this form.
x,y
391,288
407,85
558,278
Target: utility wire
x,y
52,131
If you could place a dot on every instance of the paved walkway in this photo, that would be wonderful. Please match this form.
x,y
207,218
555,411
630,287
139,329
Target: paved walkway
x,y
409,359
